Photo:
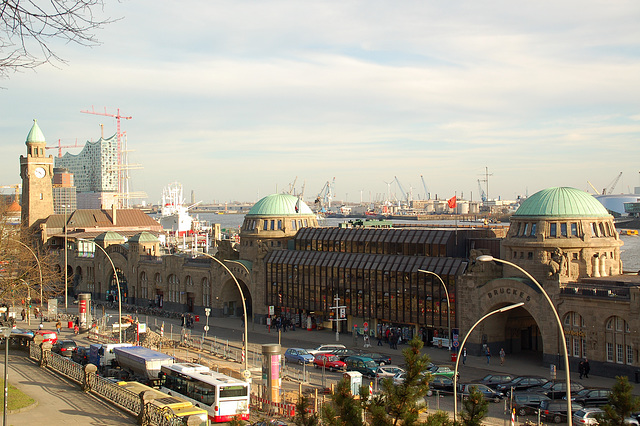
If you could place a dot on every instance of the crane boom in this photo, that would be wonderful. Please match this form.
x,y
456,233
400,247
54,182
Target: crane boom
x,y
483,196
426,191
593,187
613,184
404,194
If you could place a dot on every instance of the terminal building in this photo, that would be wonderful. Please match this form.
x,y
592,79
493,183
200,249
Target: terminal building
x,y
564,238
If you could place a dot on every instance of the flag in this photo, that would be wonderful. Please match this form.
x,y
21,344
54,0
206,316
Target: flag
x,y
452,202
298,205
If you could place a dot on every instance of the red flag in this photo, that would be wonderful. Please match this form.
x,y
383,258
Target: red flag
x,y
452,202
297,207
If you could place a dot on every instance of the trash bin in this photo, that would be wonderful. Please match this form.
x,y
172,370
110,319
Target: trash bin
x,y
70,324
454,357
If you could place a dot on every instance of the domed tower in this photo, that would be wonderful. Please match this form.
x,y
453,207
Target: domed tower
x,y
36,171
271,223
564,234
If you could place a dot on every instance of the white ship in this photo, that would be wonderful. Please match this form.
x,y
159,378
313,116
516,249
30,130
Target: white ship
x,y
174,215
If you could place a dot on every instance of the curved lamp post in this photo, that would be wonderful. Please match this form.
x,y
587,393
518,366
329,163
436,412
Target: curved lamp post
x,y
245,343
39,267
448,304
455,371
488,258
115,272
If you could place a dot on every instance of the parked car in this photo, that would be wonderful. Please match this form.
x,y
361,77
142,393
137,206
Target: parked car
x,y
440,383
325,349
329,362
64,347
521,383
47,336
398,379
556,390
364,365
385,371
441,370
486,391
556,411
343,353
587,416
381,359
526,403
591,397
81,355
298,356
493,380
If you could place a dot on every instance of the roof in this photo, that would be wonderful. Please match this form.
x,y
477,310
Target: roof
x,y
109,236
561,202
89,219
144,237
14,207
280,205
35,134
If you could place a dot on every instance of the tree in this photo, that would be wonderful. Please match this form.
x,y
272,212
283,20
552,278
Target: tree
x,y
439,418
621,403
303,417
28,28
475,407
344,409
400,404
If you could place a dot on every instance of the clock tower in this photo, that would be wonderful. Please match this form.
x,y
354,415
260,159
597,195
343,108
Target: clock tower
x,y
36,171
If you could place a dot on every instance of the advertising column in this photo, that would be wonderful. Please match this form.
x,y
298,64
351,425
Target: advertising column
x,y
84,311
271,356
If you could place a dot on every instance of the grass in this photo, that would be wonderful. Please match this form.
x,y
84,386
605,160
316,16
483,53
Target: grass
x,y
16,400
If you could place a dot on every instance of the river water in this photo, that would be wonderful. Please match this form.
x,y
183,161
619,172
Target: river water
x,y
629,253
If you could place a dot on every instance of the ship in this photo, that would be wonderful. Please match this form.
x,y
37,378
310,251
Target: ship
x,y
174,214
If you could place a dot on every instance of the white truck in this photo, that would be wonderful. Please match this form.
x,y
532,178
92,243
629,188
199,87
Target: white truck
x,y
101,354
144,363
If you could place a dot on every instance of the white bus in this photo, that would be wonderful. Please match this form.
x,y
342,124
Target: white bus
x,y
222,396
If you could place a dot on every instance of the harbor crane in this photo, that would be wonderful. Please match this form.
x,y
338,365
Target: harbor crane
x,y
483,196
406,195
612,186
325,195
595,191
426,191
60,146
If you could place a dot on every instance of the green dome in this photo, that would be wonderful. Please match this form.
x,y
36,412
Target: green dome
x,y
109,236
279,205
35,134
144,237
562,202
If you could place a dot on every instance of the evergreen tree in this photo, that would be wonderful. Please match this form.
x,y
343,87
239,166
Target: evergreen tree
x,y
303,418
621,403
439,418
344,409
475,407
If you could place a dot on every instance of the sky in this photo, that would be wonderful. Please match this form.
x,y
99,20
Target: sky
x,y
238,99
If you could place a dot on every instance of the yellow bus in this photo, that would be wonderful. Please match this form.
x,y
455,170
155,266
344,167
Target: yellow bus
x,y
162,402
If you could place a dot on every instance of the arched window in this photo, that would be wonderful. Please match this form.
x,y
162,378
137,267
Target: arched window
x,y
618,341
188,280
576,334
158,278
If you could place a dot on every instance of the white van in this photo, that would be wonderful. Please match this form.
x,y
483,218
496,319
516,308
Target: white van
x,y
101,354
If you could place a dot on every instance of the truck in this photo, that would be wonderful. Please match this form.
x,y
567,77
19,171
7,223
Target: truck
x,y
101,354
142,362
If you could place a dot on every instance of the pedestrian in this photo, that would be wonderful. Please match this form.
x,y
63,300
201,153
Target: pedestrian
x,y
502,356
488,353
581,368
76,329
586,368
59,327
23,314
464,356
379,339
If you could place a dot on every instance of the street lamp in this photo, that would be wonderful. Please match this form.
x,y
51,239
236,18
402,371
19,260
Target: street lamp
x,y
6,332
455,371
37,261
488,258
245,343
448,304
115,272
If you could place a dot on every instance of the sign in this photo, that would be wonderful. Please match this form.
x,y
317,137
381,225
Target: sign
x,y
552,371
272,310
246,374
207,311
456,343
343,313
142,327
206,328
366,326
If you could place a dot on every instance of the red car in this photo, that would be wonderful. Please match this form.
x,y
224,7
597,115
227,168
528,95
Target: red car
x,y
47,336
329,361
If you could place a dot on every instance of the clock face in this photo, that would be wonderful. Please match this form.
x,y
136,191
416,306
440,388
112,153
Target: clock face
x,y
39,172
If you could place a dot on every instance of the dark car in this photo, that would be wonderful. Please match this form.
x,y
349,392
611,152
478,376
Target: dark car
x,y
64,347
526,403
344,353
364,365
493,380
486,391
440,383
81,355
556,411
521,383
557,390
379,358
590,397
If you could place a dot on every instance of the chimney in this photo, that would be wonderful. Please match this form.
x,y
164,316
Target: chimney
x,y
113,213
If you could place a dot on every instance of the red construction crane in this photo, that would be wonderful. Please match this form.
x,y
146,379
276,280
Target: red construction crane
x,y
60,146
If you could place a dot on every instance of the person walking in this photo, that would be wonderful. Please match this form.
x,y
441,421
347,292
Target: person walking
x,y
502,354
488,355
586,368
59,327
464,356
581,369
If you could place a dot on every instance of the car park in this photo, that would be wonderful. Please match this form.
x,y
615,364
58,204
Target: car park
x,y
81,355
486,391
385,371
298,356
64,347
325,349
329,361
591,397
362,364
526,403
556,410
556,390
521,383
493,380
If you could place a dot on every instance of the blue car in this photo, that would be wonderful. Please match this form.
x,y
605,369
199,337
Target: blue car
x,y
298,356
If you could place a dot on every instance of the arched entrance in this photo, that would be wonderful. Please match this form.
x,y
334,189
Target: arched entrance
x,y
231,300
112,293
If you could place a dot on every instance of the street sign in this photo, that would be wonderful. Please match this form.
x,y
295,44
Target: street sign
x,y
272,310
207,311
206,328
456,343
246,374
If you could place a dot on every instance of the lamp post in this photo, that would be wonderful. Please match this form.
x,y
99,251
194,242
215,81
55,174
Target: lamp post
x,y
65,258
207,312
446,292
455,371
37,261
488,258
6,332
115,272
245,342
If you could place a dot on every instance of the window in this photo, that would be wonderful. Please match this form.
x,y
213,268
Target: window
x,y
279,224
594,231
265,225
563,229
526,229
619,354
530,255
293,225
574,229
273,224
552,229
533,229
576,347
610,352
629,354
